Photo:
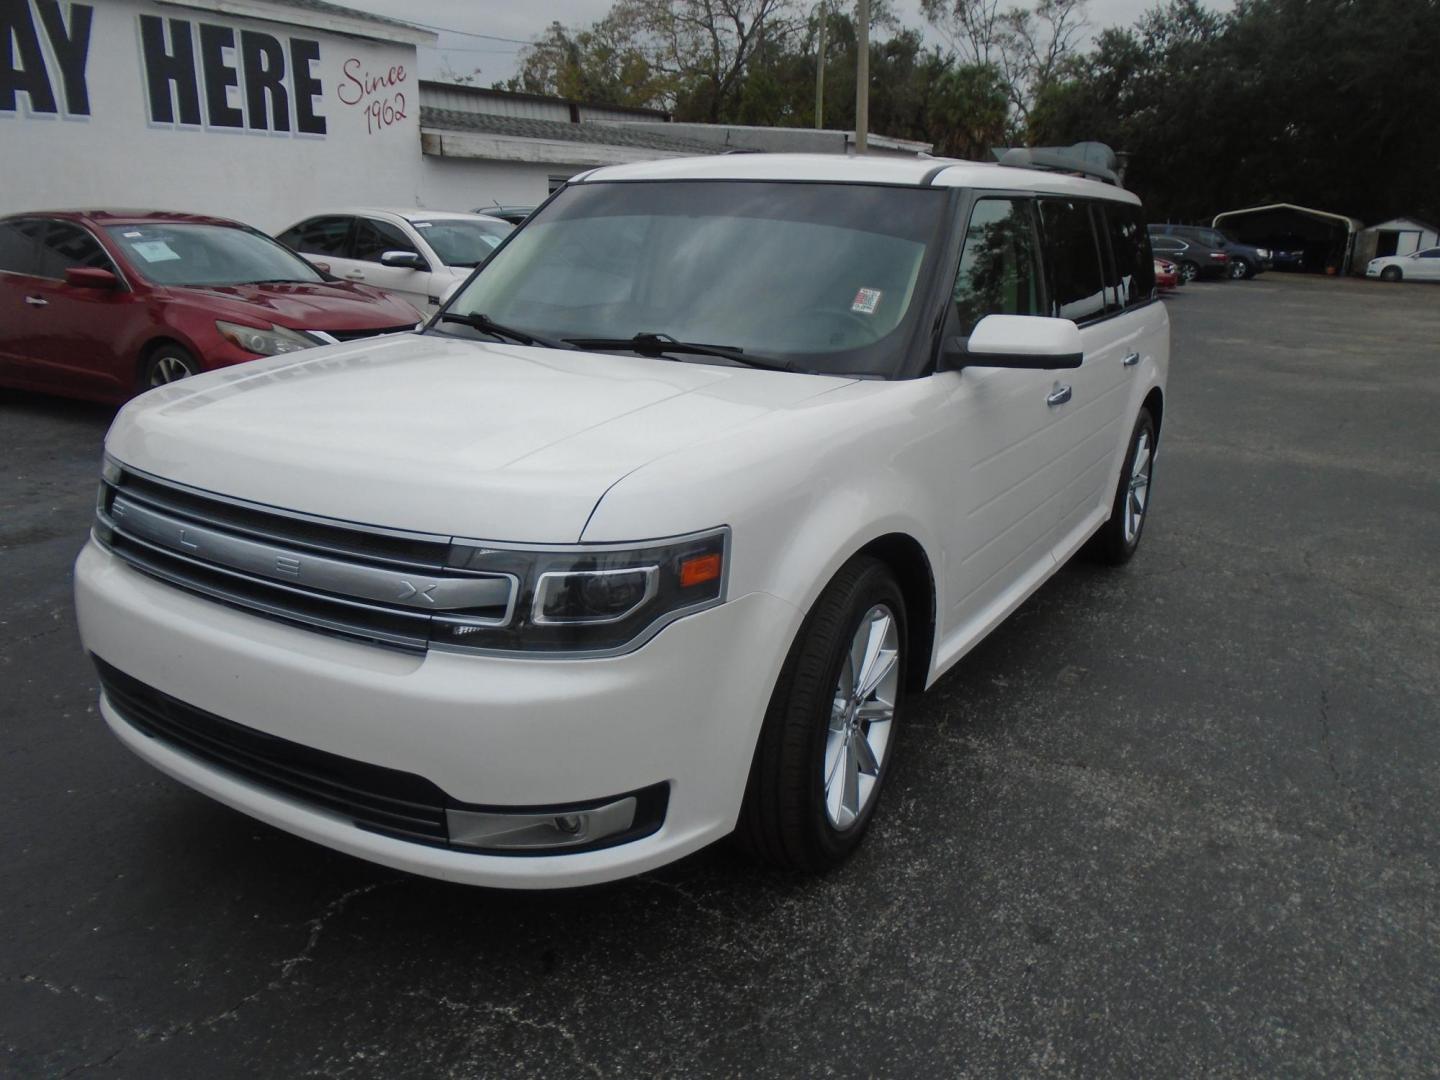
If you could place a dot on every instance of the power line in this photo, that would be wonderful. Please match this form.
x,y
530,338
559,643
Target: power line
x,y
465,33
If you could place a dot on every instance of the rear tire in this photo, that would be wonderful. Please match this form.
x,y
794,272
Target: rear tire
x,y
1119,537
794,815
165,365
1391,273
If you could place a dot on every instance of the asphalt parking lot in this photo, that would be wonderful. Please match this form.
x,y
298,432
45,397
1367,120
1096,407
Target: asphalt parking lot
x,y
1181,819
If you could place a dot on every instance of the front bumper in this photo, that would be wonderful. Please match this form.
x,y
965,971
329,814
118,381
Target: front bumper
x,y
683,710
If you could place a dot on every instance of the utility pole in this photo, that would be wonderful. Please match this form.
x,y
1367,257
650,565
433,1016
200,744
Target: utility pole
x,y
820,73
862,79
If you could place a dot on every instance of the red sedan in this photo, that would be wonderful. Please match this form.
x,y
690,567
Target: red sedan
x,y
102,304
1167,274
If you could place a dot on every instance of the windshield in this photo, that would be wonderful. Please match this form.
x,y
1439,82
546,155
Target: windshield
x,y
463,243
192,254
824,277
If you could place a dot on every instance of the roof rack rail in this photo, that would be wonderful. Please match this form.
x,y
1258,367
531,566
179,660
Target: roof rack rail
x,y
1092,159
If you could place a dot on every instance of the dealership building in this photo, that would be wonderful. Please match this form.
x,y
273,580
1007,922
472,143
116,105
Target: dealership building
x,y
270,110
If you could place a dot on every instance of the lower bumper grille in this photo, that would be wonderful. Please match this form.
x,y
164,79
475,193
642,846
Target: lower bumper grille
x,y
373,797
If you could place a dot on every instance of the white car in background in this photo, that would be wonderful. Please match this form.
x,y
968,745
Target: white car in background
x,y
1419,266
417,255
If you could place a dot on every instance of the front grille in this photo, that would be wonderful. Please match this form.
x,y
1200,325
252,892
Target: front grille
x,y
356,335
373,797
377,586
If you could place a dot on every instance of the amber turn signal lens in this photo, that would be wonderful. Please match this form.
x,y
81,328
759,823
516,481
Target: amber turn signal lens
x,y
699,569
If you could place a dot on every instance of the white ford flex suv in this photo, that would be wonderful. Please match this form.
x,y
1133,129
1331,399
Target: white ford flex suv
x,y
646,538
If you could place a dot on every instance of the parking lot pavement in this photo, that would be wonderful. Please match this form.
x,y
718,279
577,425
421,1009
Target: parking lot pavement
x,y
1178,819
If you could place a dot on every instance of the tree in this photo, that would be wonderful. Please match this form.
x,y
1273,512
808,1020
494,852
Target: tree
x,y
1029,46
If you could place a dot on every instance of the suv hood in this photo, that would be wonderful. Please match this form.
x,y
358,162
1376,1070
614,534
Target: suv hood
x,y
301,305
442,435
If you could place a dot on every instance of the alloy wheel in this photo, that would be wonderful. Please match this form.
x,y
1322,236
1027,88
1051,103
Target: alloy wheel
x,y
1136,497
168,369
1237,270
861,717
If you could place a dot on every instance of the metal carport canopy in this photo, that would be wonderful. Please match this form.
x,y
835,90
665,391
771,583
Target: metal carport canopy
x,y
1352,225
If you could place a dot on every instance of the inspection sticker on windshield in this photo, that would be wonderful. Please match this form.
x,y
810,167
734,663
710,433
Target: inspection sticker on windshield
x,y
866,301
154,251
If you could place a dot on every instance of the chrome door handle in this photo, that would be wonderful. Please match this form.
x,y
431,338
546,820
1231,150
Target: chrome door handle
x,y
36,301
1132,359
1058,396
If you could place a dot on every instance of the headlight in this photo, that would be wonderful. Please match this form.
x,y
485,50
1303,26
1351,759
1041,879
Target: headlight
x,y
1264,253
270,342
590,599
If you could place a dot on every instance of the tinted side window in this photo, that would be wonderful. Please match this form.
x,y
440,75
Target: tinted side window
x,y
1433,253
319,236
374,238
1130,247
998,273
1077,290
64,246
18,253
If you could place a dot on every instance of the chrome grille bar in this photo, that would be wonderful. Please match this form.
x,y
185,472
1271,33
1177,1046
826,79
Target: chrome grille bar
x,y
325,579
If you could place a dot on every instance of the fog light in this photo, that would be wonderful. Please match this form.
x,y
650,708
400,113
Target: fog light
x,y
538,830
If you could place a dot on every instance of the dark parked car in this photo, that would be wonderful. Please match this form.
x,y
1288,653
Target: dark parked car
x,y
103,304
1245,260
513,214
1194,259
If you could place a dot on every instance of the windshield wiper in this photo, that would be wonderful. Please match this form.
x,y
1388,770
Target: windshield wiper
x,y
657,344
487,325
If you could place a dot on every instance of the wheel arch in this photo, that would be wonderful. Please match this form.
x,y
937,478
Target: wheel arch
x,y
1155,403
906,559
154,345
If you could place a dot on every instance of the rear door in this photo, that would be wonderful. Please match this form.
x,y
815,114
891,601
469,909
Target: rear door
x,y
1097,419
1427,265
374,237
81,334
1001,432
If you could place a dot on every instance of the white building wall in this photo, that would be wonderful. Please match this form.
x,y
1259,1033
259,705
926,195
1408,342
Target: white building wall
x,y
457,184
115,151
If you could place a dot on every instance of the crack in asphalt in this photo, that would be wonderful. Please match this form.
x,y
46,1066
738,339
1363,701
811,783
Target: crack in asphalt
x,y
316,925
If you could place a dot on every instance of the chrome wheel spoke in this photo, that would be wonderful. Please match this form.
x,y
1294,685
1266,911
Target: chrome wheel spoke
x,y
865,757
862,709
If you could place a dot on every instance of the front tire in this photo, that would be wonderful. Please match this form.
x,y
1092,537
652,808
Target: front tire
x,y
1189,271
1240,269
1119,537
165,365
829,734
1391,273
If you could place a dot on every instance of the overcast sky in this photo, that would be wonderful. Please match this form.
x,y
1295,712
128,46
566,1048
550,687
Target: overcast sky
x,y
525,19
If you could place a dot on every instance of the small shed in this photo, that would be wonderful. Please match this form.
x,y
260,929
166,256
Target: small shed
x,y
1398,236
1326,238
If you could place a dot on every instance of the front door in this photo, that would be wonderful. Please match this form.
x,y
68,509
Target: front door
x,y
373,238
1100,269
1001,435
76,333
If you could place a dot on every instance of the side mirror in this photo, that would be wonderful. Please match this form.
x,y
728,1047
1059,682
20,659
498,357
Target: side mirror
x,y
323,267
1016,341
403,260
90,277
